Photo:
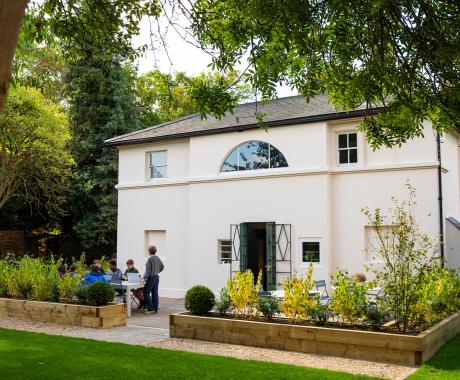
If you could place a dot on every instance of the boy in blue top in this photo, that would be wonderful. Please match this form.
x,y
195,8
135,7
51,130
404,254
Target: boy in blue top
x,y
94,275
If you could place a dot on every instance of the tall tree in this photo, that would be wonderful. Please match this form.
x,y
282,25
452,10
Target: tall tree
x,y
11,13
34,164
101,105
163,97
404,55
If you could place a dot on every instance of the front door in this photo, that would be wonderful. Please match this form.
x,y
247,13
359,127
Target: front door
x,y
258,253
260,247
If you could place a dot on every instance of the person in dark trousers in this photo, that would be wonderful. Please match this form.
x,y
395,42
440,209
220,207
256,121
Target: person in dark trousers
x,y
153,267
138,293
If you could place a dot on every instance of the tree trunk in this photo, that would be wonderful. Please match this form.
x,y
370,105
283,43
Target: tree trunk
x,y
11,14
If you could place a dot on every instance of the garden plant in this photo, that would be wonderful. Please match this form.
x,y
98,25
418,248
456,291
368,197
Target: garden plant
x,y
37,279
415,288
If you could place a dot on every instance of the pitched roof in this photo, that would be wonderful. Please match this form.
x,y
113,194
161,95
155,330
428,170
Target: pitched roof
x,y
283,111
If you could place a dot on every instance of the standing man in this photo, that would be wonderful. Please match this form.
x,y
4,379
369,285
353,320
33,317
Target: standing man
x,y
153,267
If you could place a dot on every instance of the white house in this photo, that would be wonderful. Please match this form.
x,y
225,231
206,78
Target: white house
x,y
216,196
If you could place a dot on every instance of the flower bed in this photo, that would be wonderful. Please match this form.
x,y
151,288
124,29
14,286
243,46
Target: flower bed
x,y
374,346
64,314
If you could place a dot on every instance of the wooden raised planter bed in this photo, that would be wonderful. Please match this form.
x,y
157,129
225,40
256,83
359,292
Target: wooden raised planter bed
x,y
64,314
374,346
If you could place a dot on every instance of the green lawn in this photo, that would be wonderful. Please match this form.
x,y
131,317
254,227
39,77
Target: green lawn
x,y
25,355
445,365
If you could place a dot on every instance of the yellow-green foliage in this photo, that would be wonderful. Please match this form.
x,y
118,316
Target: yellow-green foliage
x,y
81,265
349,299
22,277
44,287
243,293
297,303
4,273
104,264
438,295
67,286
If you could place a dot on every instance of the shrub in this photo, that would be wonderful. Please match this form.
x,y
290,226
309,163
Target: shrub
x,y
81,293
44,287
297,302
99,294
199,300
409,276
349,299
4,273
320,313
243,292
66,287
22,277
376,314
438,294
268,306
224,304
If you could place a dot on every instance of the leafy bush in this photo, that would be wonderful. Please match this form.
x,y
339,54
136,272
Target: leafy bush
x,y
81,293
66,287
416,291
349,299
243,292
45,279
99,294
224,304
199,300
297,302
22,277
376,314
438,294
4,274
320,313
268,306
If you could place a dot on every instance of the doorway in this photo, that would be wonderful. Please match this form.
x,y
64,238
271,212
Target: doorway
x,y
257,251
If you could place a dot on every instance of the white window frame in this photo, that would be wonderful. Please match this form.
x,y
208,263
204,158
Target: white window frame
x,y
311,240
220,260
348,148
150,165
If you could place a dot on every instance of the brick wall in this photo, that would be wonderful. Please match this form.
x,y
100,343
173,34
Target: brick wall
x,y
11,241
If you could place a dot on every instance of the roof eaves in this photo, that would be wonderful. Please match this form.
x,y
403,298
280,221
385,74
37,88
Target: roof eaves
x,y
236,128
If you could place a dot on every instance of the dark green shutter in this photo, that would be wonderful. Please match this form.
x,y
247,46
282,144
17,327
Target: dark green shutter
x,y
270,269
243,247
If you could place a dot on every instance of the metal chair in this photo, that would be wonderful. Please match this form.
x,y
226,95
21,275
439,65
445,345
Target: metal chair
x,y
322,289
119,284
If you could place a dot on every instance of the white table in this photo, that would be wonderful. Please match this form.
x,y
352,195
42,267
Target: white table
x,y
127,286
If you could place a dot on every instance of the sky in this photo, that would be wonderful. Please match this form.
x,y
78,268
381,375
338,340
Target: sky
x,y
183,56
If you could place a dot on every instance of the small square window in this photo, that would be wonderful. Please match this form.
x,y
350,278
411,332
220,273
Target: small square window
x,y
224,252
348,148
158,164
310,252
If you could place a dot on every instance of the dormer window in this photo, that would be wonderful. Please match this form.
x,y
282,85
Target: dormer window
x,y
254,155
348,148
158,164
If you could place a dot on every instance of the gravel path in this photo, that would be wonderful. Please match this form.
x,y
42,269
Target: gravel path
x,y
158,337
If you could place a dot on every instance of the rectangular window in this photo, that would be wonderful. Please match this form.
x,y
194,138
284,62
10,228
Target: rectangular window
x,y
310,252
348,148
225,252
158,164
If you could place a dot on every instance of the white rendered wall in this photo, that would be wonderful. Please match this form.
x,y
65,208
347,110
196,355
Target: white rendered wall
x,y
196,204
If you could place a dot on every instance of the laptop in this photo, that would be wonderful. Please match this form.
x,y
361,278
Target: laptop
x,y
133,277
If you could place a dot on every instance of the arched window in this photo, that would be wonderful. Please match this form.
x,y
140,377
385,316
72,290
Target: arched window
x,y
254,155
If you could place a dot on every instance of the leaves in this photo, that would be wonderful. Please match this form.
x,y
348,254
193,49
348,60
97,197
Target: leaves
x,y
34,161
401,55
